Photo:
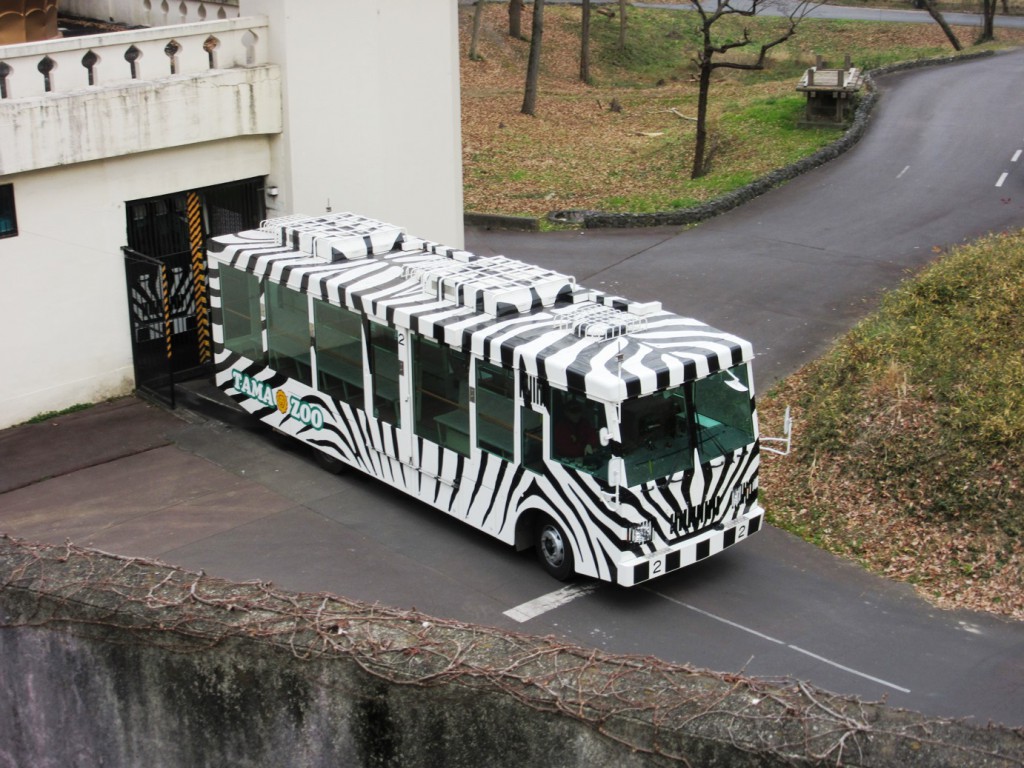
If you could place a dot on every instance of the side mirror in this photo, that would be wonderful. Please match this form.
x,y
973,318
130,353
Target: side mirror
x,y
786,439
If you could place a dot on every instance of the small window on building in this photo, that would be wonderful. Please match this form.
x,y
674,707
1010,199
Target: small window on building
x,y
8,219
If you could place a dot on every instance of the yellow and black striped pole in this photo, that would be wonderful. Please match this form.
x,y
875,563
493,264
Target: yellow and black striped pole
x,y
165,290
194,212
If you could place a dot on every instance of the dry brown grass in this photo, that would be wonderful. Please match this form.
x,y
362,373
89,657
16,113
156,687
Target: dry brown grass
x,y
578,153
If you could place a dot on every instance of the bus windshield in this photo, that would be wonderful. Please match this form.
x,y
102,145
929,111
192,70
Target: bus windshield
x,y
723,412
659,431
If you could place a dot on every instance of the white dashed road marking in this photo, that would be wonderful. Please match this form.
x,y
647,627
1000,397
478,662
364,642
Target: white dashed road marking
x,y
547,602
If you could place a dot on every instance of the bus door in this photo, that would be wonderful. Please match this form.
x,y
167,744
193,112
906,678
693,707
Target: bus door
x,y
390,392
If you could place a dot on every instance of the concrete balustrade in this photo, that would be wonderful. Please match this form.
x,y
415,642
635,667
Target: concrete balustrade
x,y
152,13
230,43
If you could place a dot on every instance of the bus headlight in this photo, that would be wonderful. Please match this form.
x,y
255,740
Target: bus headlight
x,y
640,534
737,496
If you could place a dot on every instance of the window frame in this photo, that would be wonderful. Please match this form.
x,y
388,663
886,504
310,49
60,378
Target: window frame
x,y
8,210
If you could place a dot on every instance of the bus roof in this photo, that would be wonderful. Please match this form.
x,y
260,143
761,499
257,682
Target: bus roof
x,y
500,309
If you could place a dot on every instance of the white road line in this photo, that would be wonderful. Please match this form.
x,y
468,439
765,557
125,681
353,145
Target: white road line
x,y
547,602
1002,179
782,642
718,618
878,680
1016,156
900,174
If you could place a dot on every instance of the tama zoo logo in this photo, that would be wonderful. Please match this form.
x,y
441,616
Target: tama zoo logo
x,y
296,407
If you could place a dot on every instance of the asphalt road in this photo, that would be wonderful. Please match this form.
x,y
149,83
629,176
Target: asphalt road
x,y
791,271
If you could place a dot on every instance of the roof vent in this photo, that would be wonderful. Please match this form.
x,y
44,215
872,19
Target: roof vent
x,y
335,236
492,284
598,321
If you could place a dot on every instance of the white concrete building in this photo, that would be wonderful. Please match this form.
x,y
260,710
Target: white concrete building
x,y
214,115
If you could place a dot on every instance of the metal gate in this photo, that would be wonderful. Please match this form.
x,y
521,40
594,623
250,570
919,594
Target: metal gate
x,y
165,267
161,305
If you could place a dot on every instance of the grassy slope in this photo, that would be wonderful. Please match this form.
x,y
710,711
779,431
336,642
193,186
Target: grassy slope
x,y
910,435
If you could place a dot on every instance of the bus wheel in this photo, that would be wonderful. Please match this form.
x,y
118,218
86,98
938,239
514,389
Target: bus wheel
x,y
328,462
554,550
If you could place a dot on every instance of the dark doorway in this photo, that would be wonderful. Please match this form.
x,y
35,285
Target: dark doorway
x,y
165,269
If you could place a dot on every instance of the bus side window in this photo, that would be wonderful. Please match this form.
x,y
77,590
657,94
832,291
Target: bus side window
x,y
339,353
384,370
576,424
495,410
532,438
288,332
441,386
240,309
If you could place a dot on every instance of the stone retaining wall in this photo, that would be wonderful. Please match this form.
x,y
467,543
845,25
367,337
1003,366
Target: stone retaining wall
x,y
107,660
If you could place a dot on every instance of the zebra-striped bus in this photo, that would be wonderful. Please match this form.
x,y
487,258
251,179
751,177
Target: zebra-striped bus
x,y
618,439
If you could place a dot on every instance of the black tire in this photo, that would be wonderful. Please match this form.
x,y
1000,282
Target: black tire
x,y
328,462
554,550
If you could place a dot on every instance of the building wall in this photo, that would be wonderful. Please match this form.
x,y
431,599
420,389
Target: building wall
x,y
63,305
371,111
364,115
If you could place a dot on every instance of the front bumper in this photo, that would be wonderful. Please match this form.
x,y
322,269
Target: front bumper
x,y
712,541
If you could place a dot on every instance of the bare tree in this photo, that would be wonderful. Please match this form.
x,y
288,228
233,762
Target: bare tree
x,y
622,25
941,21
585,43
515,15
533,66
477,15
711,11
988,14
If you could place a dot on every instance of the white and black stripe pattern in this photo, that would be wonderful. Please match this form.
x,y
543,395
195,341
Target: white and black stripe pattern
x,y
690,514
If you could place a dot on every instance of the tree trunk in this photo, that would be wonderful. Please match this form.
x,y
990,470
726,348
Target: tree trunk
x,y
533,67
988,14
941,21
585,44
515,15
477,15
702,117
622,25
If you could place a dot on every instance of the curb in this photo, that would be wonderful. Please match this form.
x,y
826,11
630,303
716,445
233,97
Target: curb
x,y
497,221
737,197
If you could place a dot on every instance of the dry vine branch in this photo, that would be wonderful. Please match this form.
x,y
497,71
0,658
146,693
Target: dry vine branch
x,y
777,721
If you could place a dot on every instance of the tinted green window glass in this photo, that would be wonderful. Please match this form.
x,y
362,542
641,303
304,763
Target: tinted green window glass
x,y
723,412
656,436
385,371
240,310
339,353
441,384
288,332
495,410
575,434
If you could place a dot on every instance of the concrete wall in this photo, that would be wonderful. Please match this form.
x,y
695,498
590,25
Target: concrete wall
x,y
352,103
372,111
115,661
63,303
